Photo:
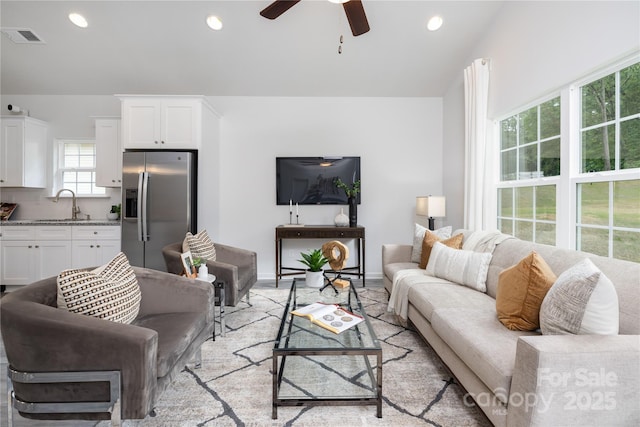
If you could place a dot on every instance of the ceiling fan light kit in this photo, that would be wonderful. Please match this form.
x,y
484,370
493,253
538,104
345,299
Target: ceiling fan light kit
x,y
352,8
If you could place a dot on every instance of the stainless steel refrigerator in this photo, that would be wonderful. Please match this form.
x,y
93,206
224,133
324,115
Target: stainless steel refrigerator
x,y
158,203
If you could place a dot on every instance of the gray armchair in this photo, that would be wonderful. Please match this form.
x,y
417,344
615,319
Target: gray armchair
x,y
82,367
237,268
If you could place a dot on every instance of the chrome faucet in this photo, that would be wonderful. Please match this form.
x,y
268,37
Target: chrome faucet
x,y
75,210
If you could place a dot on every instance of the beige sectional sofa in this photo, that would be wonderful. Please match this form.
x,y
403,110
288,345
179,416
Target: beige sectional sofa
x,y
526,378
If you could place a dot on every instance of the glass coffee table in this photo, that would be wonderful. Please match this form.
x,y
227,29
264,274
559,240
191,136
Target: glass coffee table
x,y
313,366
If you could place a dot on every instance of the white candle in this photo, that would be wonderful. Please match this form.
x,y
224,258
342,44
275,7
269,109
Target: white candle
x,y
296,208
290,206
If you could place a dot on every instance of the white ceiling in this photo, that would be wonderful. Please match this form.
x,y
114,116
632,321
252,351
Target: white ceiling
x,y
165,47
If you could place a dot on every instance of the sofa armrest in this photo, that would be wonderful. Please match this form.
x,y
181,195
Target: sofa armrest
x,y
392,253
41,338
576,380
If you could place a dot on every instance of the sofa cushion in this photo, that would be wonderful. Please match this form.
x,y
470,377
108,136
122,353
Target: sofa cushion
x,y
430,239
521,289
467,268
109,292
483,344
200,245
443,294
175,332
582,301
418,237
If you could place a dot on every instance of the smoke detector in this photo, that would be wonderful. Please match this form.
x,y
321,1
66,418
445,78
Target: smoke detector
x,y
22,35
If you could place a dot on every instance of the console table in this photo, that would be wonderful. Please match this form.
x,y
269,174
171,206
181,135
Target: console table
x,y
325,232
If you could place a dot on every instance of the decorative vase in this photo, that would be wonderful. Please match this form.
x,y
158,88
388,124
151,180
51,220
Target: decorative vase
x,y
203,271
341,220
314,279
353,211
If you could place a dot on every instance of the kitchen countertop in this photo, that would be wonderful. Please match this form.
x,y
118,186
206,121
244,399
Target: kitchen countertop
x,y
93,222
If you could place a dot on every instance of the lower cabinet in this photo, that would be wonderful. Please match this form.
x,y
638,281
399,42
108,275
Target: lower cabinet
x,y
24,262
92,253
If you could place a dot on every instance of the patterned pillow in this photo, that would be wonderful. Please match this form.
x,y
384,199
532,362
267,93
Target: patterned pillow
x,y
466,268
109,292
418,237
521,290
430,239
582,301
201,245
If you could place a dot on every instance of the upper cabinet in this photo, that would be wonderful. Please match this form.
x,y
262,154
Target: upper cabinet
x,y
158,122
108,153
23,152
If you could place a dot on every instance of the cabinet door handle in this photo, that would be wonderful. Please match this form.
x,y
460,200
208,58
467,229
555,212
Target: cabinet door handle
x,y
37,246
161,142
29,246
90,246
97,246
95,232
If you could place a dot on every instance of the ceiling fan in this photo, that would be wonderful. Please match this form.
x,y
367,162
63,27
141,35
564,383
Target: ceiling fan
x,y
352,8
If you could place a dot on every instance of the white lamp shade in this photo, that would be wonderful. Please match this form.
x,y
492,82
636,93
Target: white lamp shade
x,y
431,206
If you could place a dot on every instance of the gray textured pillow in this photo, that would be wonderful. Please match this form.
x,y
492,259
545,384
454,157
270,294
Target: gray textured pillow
x,y
466,268
200,245
581,301
418,236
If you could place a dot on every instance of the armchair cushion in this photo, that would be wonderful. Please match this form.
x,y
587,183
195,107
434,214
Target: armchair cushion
x,y
200,245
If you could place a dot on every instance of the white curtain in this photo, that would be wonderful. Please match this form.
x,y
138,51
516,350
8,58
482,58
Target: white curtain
x,y
479,197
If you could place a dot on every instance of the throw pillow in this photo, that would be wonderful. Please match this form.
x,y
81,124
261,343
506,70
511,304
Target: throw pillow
x,y
582,301
109,292
521,289
418,237
201,245
466,268
430,239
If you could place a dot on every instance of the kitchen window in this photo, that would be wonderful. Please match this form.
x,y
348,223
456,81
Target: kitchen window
x,y
77,167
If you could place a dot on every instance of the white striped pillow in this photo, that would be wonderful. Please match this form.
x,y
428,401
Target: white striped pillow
x,y
109,292
201,245
466,268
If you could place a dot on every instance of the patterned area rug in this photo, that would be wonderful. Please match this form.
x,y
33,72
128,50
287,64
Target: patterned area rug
x,y
234,385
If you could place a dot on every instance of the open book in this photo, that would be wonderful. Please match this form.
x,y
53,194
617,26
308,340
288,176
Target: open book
x,y
329,316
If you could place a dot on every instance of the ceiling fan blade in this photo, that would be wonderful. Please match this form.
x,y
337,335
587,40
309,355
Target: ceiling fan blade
x,y
356,16
277,8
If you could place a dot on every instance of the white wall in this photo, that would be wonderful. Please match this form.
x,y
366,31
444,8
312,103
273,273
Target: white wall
x,y
535,48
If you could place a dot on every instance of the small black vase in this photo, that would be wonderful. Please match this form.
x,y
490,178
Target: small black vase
x,y
353,211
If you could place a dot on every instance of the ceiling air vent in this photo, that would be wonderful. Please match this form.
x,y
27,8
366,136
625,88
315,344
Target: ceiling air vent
x,y
22,35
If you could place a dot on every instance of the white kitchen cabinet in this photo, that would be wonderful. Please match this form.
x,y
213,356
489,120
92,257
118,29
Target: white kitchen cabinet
x,y
159,122
108,153
23,152
31,253
94,246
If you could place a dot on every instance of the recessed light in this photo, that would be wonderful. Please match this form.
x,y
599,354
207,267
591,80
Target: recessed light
x,y
214,22
434,23
78,20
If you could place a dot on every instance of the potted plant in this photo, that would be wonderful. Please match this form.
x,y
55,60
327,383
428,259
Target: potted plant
x,y
314,260
352,193
198,263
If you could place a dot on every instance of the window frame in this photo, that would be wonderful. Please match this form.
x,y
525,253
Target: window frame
x,y
58,182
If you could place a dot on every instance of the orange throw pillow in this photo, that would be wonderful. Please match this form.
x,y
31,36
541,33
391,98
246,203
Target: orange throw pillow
x,y
430,239
520,292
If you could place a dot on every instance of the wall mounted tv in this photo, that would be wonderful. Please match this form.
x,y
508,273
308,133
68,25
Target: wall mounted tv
x,y
311,180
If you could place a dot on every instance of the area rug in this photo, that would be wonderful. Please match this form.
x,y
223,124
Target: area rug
x,y
234,385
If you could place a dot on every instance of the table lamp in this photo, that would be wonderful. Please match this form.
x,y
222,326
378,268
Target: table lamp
x,y
432,207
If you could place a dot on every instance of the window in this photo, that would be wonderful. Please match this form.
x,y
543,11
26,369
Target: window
x,y
77,167
529,151
595,188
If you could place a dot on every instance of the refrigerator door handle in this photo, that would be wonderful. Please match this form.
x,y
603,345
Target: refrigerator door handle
x,y
139,208
145,204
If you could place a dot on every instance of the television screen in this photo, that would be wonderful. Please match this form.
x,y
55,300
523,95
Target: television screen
x,y
311,180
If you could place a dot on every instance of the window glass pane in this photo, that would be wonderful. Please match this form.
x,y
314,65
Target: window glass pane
x,y
550,157
87,161
509,165
524,202
594,206
86,149
598,101
84,188
69,177
550,118
630,90
528,121
626,244
71,161
84,176
545,233
598,149
594,240
506,226
528,162
509,132
630,144
524,230
546,203
626,204
505,200
71,149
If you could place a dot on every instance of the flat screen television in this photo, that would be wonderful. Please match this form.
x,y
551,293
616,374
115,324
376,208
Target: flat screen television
x,y
311,180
